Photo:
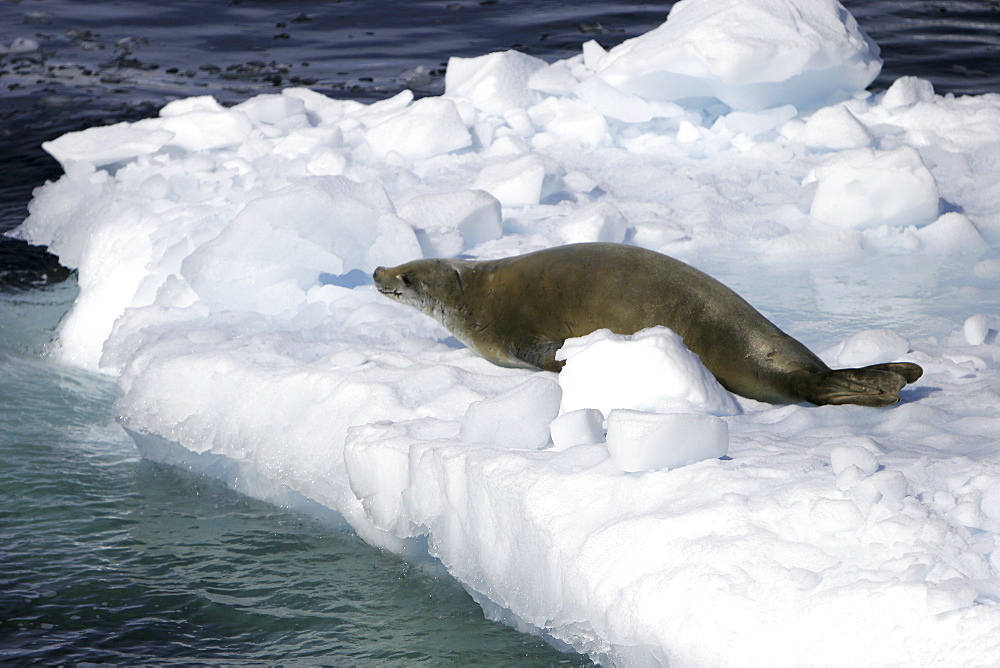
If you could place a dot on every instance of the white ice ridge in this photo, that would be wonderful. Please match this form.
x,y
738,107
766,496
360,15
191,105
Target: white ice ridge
x,y
223,257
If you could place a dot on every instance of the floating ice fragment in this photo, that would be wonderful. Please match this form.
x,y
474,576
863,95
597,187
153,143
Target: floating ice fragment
x,y
640,441
20,45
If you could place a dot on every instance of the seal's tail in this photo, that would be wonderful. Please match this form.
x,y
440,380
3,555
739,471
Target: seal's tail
x,y
876,385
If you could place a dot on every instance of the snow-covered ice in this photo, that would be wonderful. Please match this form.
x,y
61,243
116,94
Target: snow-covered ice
x,y
223,259
645,441
650,371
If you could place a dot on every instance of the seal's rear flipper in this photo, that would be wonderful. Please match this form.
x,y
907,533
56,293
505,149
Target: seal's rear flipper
x,y
908,370
876,385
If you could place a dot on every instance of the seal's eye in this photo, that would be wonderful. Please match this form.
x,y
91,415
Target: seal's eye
x,y
407,281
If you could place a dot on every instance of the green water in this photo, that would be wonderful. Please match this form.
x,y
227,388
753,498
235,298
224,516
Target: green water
x,y
108,558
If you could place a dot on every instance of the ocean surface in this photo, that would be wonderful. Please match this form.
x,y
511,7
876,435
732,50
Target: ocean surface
x,y
107,558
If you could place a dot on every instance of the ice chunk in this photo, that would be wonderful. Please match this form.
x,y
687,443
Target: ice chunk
x,y
951,594
571,121
518,418
892,484
844,456
429,127
495,82
580,427
872,346
279,243
109,144
906,91
756,123
975,329
990,502
613,102
865,495
650,370
953,232
834,128
599,221
452,222
831,516
849,477
640,441
989,268
188,104
201,130
809,53
514,182
272,109
20,45
862,188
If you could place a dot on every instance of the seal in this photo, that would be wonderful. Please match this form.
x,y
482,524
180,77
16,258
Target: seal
x,y
517,311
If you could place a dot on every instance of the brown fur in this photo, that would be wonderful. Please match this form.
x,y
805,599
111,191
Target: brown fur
x,y
517,311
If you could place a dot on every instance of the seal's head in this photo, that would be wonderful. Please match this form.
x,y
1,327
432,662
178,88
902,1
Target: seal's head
x,y
430,286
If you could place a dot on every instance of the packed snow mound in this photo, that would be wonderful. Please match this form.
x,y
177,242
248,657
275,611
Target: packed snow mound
x,y
224,256
864,188
748,55
651,370
642,441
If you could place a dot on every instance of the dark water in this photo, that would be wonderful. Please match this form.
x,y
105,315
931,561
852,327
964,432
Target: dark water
x,y
106,558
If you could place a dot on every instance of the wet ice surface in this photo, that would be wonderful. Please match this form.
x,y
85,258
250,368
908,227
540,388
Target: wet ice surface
x,y
218,278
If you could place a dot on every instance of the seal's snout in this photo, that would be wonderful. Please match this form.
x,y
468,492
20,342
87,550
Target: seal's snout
x,y
385,282
381,278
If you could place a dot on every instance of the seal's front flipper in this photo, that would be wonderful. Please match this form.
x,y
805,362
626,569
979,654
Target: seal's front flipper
x,y
876,385
538,352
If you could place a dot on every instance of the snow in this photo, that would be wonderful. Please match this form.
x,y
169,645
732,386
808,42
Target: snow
x,y
646,441
223,259
649,371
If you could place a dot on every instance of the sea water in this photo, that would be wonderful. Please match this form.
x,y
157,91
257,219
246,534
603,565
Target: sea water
x,y
108,558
